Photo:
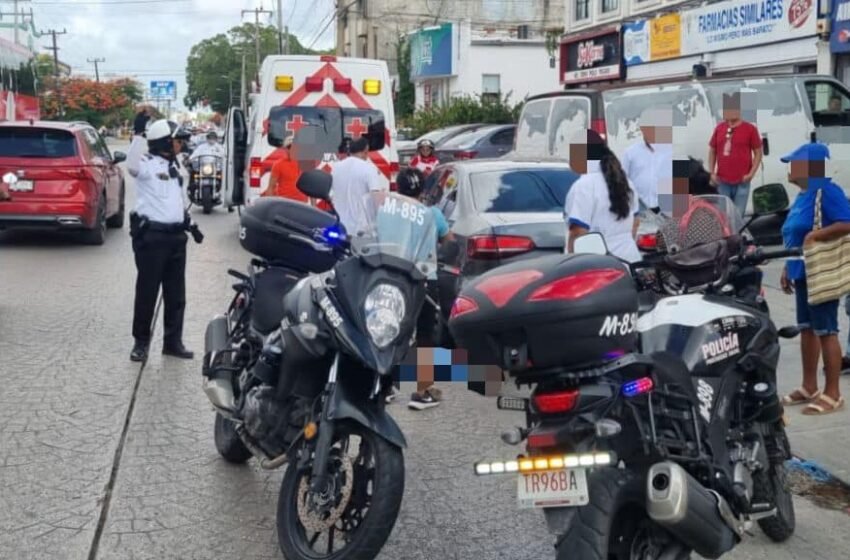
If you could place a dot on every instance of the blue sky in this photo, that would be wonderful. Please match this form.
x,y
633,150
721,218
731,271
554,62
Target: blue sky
x,y
152,38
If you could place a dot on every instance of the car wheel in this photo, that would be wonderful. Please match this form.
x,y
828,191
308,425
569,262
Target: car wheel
x,y
97,235
117,221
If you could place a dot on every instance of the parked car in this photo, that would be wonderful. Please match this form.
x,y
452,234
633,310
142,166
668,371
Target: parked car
x,y
486,142
60,176
406,150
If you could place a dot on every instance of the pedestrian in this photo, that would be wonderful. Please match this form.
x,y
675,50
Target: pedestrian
x,y
285,173
649,163
158,228
353,179
735,153
845,361
602,199
425,160
411,183
818,323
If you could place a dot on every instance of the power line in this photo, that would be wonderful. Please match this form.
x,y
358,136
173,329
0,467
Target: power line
x,y
334,15
112,3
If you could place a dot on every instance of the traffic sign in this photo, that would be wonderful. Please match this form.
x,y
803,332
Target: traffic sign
x,y
164,90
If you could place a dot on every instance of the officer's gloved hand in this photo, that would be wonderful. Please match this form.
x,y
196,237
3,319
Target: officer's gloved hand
x,y
140,124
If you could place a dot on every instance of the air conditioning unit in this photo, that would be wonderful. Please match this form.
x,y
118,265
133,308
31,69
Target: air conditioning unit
x,y
522,32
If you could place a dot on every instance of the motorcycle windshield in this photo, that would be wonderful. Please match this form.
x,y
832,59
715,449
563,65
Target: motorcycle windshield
x,y
698,220
401,228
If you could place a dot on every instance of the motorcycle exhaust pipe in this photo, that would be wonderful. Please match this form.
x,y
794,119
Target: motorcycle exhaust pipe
x,y
218,385
696,516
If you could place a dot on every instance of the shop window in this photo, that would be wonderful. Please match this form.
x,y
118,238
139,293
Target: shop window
x,y
830,105
491,88
609,6
582,10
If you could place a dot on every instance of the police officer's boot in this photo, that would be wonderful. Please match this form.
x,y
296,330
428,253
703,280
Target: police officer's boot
x,y
140,351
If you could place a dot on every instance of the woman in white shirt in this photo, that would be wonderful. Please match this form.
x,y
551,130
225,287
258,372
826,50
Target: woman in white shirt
x,y
602,199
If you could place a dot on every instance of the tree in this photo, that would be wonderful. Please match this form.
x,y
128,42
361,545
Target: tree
x,y
406,101
98,103
214,67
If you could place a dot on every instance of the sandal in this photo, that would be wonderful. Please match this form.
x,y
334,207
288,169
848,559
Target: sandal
x,y
832,405
800,396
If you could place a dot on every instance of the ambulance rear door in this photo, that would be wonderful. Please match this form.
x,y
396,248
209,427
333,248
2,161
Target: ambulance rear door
x,y
236,143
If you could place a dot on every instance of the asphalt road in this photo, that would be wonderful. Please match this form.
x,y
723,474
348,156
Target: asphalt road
x,y
101,459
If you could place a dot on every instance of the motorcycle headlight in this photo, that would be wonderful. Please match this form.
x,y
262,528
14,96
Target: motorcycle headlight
x,y
385,308
207,169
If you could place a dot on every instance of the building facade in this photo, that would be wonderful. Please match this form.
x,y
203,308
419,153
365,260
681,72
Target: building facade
x,y
490,39
670,39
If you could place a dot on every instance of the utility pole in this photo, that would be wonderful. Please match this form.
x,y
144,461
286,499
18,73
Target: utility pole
x,y
17,14
286,40
55,48
257,13
242,86
280,26
96,70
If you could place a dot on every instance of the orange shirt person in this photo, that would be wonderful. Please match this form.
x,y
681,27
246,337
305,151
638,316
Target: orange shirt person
x,y
284,176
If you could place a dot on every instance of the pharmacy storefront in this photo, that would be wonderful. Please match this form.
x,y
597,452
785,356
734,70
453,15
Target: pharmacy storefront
x,y
730,38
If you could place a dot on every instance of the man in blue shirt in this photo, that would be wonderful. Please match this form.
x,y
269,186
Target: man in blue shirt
x,y
818,323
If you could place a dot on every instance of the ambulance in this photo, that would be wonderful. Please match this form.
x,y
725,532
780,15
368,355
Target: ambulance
x,y
322,102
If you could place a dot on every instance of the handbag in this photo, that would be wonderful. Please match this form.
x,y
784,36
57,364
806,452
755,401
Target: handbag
x,y
827,263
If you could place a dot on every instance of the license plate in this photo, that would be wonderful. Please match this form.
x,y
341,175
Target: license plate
x,y
21,186
553,488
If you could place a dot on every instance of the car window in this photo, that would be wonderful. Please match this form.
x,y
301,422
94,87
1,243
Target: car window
x,y
36,143
503,138
467,139
830,105
102,148
521,190
447,183
92,141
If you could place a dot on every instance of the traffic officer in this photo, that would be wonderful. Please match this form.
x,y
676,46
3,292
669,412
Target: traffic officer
x,y
158,227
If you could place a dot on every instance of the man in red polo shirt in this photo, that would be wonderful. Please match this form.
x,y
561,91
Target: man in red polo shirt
x,y
734,153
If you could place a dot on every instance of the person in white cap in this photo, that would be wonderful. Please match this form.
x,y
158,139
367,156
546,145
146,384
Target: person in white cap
x,y
649,162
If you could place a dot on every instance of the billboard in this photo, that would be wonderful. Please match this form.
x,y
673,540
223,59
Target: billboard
x,y
163,91
744,23
591,57
431,52
839,40
654,39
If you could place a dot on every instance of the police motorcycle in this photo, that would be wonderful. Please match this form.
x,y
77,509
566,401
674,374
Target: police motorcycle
x,y
315,398
654,433
205,188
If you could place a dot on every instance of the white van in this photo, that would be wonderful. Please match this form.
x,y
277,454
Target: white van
x,y
343,98
790,108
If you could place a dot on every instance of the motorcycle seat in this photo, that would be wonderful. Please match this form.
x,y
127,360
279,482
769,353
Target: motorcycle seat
x,y
271,285
671,370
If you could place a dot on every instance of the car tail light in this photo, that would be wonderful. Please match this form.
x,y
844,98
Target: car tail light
x,y
638,387
342,85
462,306
556,402
647,241
598,126
327,58
544,439
466,154
394,169
577,286
500,289
315,84
256,172
497,246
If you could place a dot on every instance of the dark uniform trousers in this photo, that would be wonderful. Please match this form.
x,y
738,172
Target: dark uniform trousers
x,y
160,261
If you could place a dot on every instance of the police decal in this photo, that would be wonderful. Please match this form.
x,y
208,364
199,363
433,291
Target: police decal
x,y
619,325
721,348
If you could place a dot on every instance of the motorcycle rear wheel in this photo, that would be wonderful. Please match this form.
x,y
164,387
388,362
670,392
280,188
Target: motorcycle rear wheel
x,y
228,443
771,485
364,534
613,526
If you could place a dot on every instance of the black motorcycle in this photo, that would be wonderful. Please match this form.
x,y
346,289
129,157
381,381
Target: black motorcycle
x,y
205,187
651,433
315,397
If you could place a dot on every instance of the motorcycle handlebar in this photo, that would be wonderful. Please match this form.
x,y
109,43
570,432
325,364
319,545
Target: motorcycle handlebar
x,y
760,255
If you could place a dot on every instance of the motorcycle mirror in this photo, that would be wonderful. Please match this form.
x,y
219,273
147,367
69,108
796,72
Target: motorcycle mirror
x,y
118,157
315,184
770,199
590,244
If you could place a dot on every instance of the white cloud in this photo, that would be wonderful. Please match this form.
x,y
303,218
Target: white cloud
x,y
153,40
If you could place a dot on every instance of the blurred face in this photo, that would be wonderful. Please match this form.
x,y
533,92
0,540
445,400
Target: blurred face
x,y
648,134
835,105
732,108
799,172
177,145
664,135
426,151
578,158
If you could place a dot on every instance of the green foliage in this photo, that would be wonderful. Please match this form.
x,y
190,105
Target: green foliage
x,y
214,67
465,110
406,101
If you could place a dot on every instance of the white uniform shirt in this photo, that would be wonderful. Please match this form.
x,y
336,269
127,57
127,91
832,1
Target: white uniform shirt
x,y
353,179
158,195
650,171
208,149
588,206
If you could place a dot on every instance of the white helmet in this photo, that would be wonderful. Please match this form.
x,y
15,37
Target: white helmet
x,y
165,129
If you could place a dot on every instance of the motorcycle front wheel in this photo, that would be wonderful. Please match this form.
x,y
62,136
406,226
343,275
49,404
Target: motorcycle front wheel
x,y
207,199
354,516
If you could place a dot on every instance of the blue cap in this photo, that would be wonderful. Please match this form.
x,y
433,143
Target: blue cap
x,y
813,151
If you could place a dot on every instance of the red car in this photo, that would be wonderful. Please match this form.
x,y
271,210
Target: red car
x,y
62,176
